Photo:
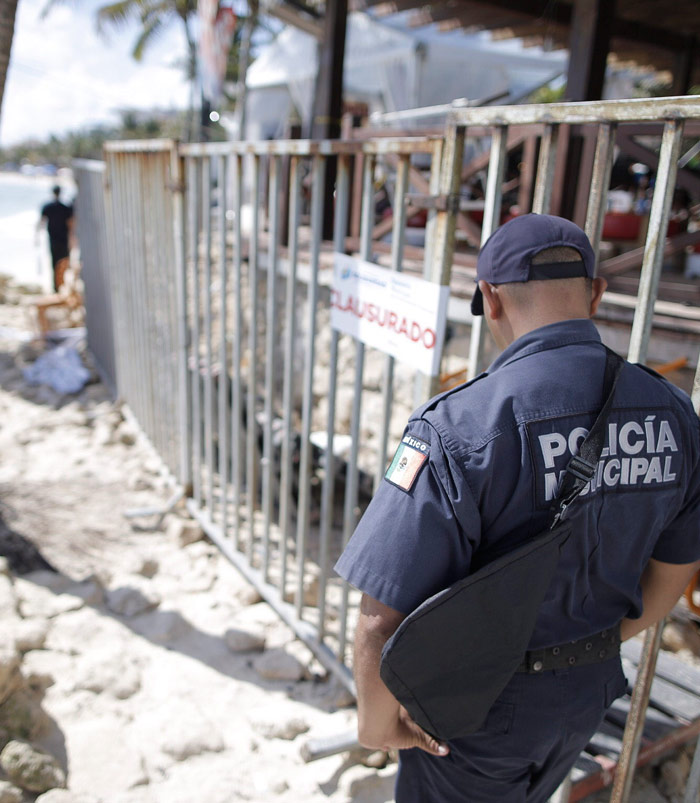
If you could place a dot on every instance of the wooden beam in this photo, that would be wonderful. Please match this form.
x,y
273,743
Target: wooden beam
x,y
684,62
588,48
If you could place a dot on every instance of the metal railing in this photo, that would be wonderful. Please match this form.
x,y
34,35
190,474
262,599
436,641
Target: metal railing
x,y
279,426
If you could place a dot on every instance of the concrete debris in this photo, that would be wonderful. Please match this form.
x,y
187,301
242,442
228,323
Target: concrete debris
x,y
244,641
184,745
65,796
31,768
9,793
128,601
278,664
30,634
184,532
287,729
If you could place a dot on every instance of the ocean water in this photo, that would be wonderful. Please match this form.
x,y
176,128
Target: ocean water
x,y
23,254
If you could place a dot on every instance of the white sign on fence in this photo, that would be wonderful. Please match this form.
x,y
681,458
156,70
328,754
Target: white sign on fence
x,y
399,314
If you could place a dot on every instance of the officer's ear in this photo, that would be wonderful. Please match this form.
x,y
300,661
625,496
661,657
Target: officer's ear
x,y
600,285
492,299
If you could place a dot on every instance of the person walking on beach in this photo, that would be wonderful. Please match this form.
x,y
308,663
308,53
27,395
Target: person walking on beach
x,y
58,219
484,464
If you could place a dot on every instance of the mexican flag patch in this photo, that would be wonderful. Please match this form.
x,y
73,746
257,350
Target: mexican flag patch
x,y
408,461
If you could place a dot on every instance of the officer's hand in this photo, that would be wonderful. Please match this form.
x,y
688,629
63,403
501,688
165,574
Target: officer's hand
x,y
409,734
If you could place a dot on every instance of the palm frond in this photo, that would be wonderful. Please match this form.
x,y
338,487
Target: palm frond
x,y
152,29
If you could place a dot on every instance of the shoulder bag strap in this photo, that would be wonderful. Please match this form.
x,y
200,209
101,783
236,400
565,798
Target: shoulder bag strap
x,y
582,466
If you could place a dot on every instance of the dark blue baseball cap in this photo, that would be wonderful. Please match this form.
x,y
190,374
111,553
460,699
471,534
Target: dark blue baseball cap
x,y
507,254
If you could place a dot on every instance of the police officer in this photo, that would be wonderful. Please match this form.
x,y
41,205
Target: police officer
x,y
477,469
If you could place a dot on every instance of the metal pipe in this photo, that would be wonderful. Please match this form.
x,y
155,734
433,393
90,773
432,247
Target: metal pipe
x,y
624,774
351,482
194,173
342,198
317,189
208,385
236,387
656,238
271,347
600,181
251,421
398,235
492,219
545,170
224,389
285,520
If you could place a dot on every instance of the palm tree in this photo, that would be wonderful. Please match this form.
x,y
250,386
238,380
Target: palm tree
x,y
8,11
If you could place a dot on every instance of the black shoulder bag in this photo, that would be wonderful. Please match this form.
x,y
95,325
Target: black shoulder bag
x,y
449,659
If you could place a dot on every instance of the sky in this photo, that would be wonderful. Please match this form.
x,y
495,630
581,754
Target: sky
x,y
65,76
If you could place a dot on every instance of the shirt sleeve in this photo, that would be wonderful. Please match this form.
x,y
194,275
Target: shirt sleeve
x,y
680,541
418,532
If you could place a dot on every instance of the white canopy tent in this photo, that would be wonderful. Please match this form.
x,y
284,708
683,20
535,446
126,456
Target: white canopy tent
x,y
391,69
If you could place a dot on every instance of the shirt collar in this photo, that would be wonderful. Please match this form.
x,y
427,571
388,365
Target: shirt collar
x,y
554,335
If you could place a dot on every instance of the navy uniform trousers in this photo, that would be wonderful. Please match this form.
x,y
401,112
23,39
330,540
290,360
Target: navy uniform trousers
x,y
532,737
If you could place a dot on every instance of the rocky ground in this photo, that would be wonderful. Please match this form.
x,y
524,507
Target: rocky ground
x,y
136,665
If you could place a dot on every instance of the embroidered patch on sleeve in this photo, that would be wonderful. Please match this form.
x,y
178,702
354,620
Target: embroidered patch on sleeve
x,y
408,461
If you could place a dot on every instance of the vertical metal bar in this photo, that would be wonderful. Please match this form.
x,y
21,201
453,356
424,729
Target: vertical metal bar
x,y
492,219
693,783
341,216
317,190
656,239
624,773
397,243
434,189
351,489
545,169
223,438
194,217
600,181
271,347
236,385
285,520
208,389
251,423
444,232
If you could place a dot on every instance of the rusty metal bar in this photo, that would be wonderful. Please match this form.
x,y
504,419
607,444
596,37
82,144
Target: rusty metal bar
x,y
397,244
632,737
545,170
492,216
600,181
656,238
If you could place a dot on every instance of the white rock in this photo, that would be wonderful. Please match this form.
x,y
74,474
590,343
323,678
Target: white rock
x,y
249,596
103,434
278,664
89,590
4,566
184,532
112,676
9,608
9,793
362,783
129,601
22,717
31,768
184,745
286,729
65,796
126,434
148,568
244,641
162,626
10,677
38,602
30,634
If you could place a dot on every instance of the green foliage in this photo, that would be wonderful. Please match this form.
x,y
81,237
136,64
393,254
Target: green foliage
x,y
546,94
87,143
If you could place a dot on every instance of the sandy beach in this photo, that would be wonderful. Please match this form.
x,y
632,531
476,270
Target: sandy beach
x,y
150,671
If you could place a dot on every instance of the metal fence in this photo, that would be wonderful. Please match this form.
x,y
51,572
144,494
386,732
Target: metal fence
x,y
278,426
96,265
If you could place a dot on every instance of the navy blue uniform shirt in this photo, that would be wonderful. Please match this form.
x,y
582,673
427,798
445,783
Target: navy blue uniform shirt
x,y
478,467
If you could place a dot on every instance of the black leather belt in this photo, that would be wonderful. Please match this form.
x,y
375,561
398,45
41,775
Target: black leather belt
x,y
590,650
